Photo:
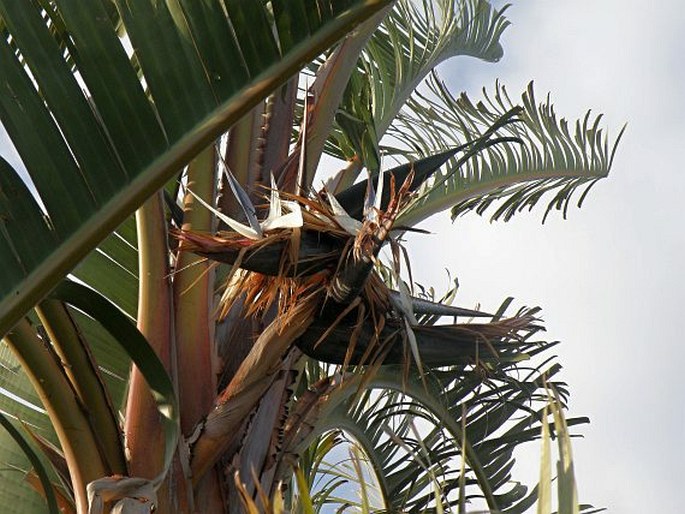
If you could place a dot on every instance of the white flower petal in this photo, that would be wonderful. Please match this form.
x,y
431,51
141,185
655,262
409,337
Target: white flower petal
x,y
243,230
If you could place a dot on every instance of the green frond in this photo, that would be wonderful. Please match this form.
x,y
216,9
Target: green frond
x,y
538,154
414,39
411,41
503,407
405,465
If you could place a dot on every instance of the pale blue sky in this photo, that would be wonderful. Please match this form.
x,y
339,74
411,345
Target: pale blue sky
x,y
608,278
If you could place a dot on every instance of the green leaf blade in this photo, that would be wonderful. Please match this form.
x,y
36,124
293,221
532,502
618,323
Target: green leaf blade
x,y
60,184
113,84
134,133
175,76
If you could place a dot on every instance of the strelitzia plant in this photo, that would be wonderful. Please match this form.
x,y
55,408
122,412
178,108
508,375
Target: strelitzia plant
x,y
206,353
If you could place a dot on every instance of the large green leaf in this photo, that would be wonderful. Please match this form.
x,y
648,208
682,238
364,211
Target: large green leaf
x,y
391,109
95,142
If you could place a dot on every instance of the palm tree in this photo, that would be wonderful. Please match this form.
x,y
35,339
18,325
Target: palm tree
x,y
254,304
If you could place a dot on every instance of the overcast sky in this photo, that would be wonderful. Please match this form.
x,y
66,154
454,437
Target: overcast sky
x,y
609,277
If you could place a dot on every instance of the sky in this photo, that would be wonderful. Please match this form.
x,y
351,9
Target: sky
x,y
608,277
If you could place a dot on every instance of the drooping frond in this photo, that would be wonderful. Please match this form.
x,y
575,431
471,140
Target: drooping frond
x,y
415,433
545,153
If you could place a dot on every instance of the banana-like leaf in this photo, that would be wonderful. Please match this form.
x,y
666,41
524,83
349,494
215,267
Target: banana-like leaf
x,y
95,144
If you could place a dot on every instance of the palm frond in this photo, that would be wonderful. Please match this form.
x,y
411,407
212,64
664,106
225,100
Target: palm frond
x,y
414,39
96,149
501,401
502,412
411,41
542,153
